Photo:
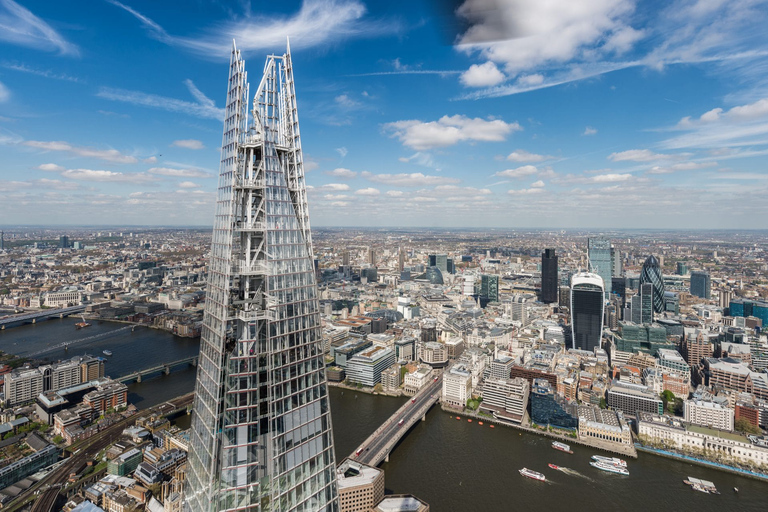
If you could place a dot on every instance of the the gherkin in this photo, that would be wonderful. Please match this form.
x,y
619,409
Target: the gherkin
x,y
651,273
261,428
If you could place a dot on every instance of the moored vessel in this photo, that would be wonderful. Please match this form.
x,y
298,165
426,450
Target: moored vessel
x,y
557,445
107,352
610,460
533,474
704,486
611,468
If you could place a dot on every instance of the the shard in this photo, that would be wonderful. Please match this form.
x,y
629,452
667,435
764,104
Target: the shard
x,y
261,426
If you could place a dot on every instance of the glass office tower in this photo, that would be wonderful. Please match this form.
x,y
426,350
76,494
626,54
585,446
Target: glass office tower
x,y
549,281
261,426
587,301
599,252
651,274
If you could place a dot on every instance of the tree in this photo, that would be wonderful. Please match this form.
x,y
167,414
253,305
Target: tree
x,y
667,397
603,403
743,425
58,439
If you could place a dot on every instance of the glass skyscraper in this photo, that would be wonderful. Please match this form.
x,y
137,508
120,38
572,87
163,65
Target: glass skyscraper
x,y
587,301
600,262
651,274
549,281
701,285
261,427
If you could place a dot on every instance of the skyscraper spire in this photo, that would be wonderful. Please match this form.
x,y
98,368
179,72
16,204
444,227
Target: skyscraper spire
x,y
261,428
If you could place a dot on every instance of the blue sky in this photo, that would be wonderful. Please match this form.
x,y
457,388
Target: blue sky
x,y
475,113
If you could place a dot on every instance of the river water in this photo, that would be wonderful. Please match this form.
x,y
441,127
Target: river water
x,y
449,463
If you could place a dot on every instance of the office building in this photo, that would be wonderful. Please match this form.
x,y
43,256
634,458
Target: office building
x,y
701,284
549,408
681,268
489,287
365,368
261,435
708,412
631,398
617,263
747,308
25,384
642,305
599,252
506,399
651,274
63,242
457,386
549,280
360,486
440,261
587,300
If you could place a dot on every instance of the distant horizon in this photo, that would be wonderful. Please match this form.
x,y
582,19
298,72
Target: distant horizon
x,y
125,227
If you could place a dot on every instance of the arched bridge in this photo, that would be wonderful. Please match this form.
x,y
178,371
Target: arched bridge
x,y
161,368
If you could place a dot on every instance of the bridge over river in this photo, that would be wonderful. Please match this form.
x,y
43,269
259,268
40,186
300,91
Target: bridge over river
x,y
33,317
380,444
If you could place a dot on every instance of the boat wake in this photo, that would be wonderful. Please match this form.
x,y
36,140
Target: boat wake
x,y
573,472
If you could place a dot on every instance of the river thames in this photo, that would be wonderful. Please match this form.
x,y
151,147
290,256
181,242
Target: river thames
x,y
449,463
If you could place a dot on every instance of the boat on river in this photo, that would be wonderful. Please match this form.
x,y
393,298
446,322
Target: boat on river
x,y
610,468
704,486
535,475
557,445
610,460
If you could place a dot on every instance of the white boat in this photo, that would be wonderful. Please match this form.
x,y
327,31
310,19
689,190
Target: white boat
x,y
557,445
107,352
533,474
610,460
611,468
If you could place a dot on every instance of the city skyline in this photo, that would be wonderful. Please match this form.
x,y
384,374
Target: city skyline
x,y
614,115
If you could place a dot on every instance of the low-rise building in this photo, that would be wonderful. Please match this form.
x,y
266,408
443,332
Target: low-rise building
x,y
709,412
360,486
414,381
365,368
604,426
631,398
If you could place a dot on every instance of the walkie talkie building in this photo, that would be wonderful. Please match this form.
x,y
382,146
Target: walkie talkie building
x,y
261,426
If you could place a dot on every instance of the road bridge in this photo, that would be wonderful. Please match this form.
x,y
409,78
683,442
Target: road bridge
x,y
164,368
31,318
380,444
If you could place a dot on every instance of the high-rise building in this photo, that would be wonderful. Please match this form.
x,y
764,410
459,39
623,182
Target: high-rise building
x,y
651,274
401,260
440,261
599,252
701,284
372,256
2,240
587,300
261,428
642,305
489,287
549,281
617,263
63,241
345,258
682,268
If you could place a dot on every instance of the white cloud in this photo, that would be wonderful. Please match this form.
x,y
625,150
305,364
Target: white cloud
x,y
525,35
610,178
589,131
340,204
188,144
526,191
20,27
341,173
537,184
415,179
482,75
334,186
179,173
204,107
317,23
420,158
108,155
188,184
520,172
335,197
449,130
636,155
370,191
684,166
718,128
531,80
50,167
150,160
342,151
47,73
395,193
107,176
523,156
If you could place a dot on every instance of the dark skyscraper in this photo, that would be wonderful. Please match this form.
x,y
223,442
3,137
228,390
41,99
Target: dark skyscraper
x,y
261,434
549,280
651,274
701,284
587,300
